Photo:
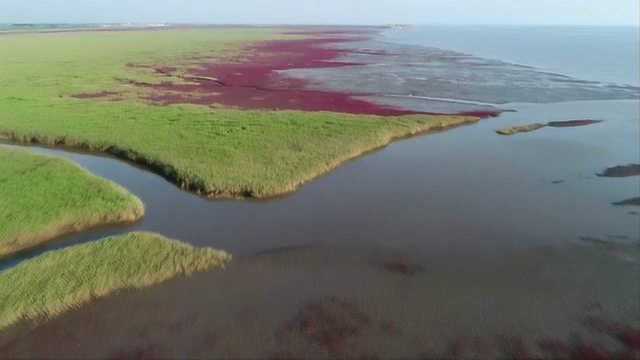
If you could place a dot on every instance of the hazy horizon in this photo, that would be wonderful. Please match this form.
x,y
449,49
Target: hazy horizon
x,y
142,23
328,12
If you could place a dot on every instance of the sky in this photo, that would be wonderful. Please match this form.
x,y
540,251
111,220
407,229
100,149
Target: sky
x,y
502,12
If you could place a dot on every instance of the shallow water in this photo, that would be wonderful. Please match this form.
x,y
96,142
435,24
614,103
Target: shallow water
x,y
467,191
256,308
608,54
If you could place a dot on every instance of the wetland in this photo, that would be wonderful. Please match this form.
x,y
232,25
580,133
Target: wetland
x,y
457,243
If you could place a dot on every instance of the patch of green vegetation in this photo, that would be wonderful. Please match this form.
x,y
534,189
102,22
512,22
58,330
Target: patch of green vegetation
x,y
217,152
44,197
46,67
226,153
57,281
520,129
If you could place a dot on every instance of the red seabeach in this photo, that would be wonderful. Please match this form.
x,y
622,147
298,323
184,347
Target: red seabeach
x,y
256,81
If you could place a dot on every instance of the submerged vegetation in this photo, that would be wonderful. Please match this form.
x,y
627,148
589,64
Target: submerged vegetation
x,y
44,197
60,280
214,151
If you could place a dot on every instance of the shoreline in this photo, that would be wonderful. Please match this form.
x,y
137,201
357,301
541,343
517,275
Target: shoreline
x,y
62,236
85,282
256,82
197,186
61,230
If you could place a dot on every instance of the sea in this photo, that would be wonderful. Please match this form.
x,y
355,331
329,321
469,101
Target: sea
x,y
597,53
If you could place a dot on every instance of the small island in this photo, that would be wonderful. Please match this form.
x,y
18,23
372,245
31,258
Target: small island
x,y
512,130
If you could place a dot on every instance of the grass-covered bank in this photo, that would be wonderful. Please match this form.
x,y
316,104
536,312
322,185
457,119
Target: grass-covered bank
x,y
229,153
44,197
215,151
60,280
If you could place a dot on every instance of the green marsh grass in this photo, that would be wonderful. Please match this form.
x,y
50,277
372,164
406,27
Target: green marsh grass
x,y
60,280
43,197
520,129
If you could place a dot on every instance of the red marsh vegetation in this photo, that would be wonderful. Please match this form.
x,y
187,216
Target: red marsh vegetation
x,y
256,82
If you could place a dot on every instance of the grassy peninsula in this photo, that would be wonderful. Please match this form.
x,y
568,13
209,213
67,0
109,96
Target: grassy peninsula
x,y
63,279
212,150
44,197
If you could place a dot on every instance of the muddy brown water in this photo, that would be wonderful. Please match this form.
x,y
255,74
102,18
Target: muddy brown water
x,y
488,226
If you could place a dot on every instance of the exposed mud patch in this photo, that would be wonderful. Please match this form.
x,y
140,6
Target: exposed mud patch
x,y
572,123
629,202
621,171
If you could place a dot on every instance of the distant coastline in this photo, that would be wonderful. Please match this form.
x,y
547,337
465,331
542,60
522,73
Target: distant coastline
x,y
18,28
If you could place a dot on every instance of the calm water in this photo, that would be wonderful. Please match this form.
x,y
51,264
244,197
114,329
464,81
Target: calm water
x,y
608,54
494,223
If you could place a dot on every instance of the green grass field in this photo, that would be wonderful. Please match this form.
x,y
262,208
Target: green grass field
x,y
43,197
217,152
63,279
